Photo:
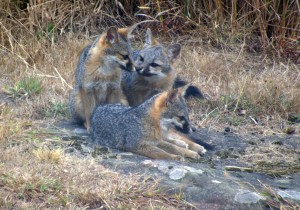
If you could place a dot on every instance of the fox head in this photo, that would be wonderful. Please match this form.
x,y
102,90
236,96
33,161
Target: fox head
x,y
171,109
116,45
154,61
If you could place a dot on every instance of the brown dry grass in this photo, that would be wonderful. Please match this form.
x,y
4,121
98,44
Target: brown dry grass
x,y
45,44
34,173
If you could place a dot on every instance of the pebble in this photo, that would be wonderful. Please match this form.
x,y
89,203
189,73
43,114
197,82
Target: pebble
x,y
177,173
193,170
247,197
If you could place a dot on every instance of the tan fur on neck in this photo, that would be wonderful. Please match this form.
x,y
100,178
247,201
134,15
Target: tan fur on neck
x,y
157,108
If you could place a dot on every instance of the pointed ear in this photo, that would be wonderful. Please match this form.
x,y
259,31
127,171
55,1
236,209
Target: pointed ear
x,y
172,96
127,32
150,40
190,91
174,51
112,35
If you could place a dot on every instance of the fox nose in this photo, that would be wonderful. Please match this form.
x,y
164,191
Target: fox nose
x,y
138,69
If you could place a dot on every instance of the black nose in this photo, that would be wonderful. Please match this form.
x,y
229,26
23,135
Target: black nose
x,y
138,69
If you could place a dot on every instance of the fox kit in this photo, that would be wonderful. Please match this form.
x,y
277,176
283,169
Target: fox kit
x,y
154,72
99,68
147,129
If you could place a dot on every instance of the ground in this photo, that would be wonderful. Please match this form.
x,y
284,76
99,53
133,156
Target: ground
x,y
251,116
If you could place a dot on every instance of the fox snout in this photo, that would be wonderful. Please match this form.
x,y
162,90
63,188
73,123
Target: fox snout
x,y
130,67
144,71
184,126
138,69
127,64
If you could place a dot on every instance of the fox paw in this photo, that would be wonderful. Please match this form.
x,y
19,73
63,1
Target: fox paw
x,y
195,156
202,151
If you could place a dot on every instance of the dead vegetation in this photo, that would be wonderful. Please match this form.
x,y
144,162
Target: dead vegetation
x,y
245,57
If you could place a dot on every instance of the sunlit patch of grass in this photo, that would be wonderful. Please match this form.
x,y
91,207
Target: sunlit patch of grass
x,y
26,87
31,189
56,109
49,155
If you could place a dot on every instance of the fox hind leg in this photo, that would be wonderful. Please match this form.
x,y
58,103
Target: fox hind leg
x,y
154,152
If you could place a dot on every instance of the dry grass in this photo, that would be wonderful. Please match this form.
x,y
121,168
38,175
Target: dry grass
x,y
35,173
44,42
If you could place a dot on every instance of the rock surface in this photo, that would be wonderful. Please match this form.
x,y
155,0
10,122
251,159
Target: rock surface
x,y
204,183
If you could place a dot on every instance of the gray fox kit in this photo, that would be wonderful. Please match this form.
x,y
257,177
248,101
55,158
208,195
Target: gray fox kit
x,y
147,129
154,72
98,78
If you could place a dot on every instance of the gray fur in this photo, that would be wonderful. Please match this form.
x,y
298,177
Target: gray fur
x,y
119,126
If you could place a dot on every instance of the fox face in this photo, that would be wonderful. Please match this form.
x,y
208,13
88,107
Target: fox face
x,y
153,60
117,48
175,112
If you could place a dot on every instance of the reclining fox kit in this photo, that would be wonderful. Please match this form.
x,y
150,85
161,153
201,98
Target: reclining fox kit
x,y
99,73
156,119
147,129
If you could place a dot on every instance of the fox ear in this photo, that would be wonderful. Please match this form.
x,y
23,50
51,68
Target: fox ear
x,y
174,51
112,35
127,32
172,96
150,40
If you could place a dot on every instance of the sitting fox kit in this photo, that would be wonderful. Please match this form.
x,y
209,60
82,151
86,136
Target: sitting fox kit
x,y
154,72
99,73
147,129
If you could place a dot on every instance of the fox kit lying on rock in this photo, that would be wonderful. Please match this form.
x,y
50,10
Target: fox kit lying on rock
x,y
98,78
147,129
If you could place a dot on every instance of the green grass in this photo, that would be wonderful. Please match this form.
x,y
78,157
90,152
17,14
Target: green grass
x,y
26,87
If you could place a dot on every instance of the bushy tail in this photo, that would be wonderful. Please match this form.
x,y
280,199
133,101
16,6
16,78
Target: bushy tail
x,y
191,92
202,143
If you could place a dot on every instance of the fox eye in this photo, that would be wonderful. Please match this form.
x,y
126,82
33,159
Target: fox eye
x,y
125,57
154,65
141,58
182,119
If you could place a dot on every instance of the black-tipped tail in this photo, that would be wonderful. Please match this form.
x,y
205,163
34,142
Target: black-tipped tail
x,y
202,143
193,92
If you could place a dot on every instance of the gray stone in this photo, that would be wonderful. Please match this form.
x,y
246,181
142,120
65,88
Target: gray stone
x,y
123,154
193,170
147,162
177,173
80,131
163,168
216,181
247,197
295,195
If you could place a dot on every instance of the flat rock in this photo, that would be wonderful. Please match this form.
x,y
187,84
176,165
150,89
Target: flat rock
x,y
247,197
291,194
177,173
205,183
